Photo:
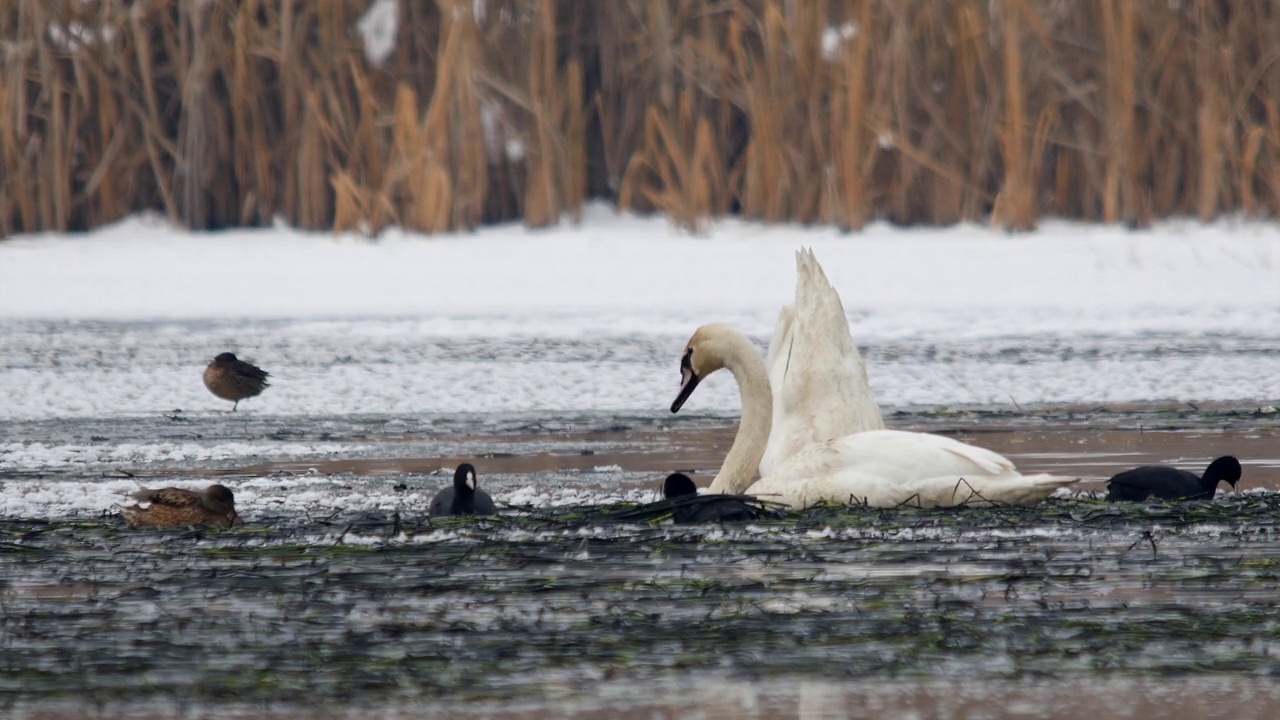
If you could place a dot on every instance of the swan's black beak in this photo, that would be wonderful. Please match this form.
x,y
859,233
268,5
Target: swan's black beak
x,y
688,381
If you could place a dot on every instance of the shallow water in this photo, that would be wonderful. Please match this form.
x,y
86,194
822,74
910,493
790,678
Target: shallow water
x,y
713,696
339,598
81,467
531,614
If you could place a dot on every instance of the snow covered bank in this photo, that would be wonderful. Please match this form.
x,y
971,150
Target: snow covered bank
x,y
1177,276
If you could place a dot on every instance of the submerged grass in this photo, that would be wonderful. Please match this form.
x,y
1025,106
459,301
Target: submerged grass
x,y
366,606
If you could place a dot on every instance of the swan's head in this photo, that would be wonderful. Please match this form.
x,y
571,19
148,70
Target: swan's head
x,y
703,355
464,479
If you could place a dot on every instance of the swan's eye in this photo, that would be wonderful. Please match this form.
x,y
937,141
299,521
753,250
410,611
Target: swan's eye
x,y
686,362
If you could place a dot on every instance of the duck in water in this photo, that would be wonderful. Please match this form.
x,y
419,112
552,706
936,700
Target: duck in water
x,y
175,507
707,508
231,378
464,498
1171,483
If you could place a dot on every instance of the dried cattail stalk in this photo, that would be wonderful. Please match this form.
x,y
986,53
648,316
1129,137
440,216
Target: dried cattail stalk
x,y
220,112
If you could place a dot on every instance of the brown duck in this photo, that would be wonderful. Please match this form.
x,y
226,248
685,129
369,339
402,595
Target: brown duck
x,y
231,378
175,507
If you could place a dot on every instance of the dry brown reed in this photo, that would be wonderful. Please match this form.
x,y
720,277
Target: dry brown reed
x,y
234,112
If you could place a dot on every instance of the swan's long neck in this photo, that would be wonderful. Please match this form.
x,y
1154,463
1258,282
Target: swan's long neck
x,y
748,368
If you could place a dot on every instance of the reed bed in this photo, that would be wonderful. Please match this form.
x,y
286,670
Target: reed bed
x,y
222,113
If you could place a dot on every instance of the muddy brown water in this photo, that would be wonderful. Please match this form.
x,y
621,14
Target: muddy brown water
x,y
1091,453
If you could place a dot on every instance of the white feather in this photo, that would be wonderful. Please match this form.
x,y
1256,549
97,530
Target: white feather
x,y
879,468
819,380
888,468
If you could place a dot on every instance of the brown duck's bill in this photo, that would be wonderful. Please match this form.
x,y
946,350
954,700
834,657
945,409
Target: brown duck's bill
x,y
688,381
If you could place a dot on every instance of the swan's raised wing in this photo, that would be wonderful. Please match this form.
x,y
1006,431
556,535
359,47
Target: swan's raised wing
x,y
819,380
784,437
779,358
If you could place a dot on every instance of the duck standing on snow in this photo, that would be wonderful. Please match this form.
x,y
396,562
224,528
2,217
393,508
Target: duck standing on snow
x,y
175,507
231,378
1170,483
464,498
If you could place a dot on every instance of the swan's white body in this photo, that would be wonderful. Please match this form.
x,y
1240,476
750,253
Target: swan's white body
x,y
880,468
888,468
819,381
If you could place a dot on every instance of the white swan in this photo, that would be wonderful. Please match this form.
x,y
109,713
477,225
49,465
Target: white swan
x,y
819,381
879,468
